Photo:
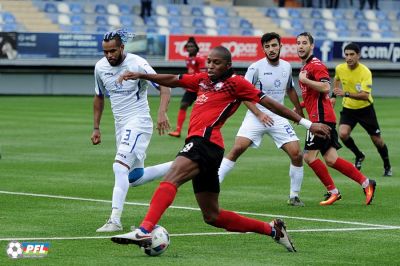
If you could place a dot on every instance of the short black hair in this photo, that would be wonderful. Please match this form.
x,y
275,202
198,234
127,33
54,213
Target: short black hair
x,y
192,41
352,46
270,36
225,53
307,34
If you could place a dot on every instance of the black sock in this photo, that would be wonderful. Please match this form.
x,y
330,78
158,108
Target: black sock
x,y
385,156
349,143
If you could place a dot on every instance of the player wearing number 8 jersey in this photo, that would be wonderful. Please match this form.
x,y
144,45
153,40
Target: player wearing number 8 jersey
x,y
315,85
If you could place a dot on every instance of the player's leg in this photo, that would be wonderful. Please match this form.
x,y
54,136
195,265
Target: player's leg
x,y
140,176
384,153
348,169
348,120
249,134
187,100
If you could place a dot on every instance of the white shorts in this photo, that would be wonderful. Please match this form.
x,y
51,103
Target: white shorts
x,y
281,132
132,140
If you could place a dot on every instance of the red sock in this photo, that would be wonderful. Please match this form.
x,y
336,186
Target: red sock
x,y
234,222
162,199
181,119
321,171
349,170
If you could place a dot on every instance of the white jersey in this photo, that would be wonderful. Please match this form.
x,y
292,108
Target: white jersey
x,y
128,99
272,80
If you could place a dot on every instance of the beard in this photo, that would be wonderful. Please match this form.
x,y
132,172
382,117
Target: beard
x,y
276,59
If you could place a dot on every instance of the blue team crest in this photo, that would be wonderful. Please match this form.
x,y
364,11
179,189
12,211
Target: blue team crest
x,y
277,83
284,74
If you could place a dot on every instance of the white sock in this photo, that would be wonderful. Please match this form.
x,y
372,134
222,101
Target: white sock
x,y
120,190
334,191
225,167
152,172
296,179
365,183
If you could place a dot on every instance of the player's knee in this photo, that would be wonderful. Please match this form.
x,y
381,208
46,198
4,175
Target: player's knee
x,y
135,174
330,162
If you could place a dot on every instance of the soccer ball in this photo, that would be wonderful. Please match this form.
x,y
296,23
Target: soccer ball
x,y
160,241
14,250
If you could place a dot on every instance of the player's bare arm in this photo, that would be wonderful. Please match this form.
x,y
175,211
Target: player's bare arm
x,y
362,95
163,122
317,129
262,117
98,107
168,80
320,86
294,98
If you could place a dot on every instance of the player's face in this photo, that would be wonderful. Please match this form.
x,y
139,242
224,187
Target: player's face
x,y
113,52
217,65
351,58
304,47
272,50
191,49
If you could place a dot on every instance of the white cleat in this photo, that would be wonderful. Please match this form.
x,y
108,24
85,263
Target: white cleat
x,y
136,237
109,226
281,236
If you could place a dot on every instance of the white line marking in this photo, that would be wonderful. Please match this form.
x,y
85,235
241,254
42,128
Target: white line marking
x,y
207,234
197,209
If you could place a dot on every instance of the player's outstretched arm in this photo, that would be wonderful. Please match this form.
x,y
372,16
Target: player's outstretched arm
x,y
168,80
317,129
162,121
98,107
262,117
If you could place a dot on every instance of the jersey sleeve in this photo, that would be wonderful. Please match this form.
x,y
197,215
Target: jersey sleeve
x,y
144,67
98,83
190,81
252,74
321,73
245,91
290,82
366,82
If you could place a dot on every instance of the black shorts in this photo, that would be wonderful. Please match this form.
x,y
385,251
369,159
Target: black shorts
x,y
189,97
209,156
365,116
321,144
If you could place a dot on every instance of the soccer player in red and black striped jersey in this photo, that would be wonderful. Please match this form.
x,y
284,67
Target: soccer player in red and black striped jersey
x,y
194,64
219,94
315,86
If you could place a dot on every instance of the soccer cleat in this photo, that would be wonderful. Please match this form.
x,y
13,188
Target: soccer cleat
x,y
370,191
281,236
136,237
388,171
358,161
175,134
330,198
295,201
109,226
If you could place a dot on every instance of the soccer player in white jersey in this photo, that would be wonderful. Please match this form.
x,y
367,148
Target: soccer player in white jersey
x,y
273,76
133,123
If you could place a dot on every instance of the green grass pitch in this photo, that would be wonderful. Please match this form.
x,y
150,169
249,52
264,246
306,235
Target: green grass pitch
x,y
56,187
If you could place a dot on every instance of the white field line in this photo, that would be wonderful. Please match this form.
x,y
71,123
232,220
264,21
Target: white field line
x,y
205,234
197,209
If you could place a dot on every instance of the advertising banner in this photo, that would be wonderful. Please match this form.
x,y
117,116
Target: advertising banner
x,y
376,51
243,48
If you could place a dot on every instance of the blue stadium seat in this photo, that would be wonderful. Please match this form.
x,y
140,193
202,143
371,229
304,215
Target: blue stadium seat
x,y
198,22
50,8
320,34
152,30
362,25
176,30
76,8
174,21
339,14
341,25
385,25
102,29
223,22
200,31
247,32
388,34
245,24
100,9
173,10
224,31
101,21
365,34
126,20
220,11
381,15
358,14
125,9
271,12
297,24
77,20
294,13
150,21
319,25
8,18
197,11
316,14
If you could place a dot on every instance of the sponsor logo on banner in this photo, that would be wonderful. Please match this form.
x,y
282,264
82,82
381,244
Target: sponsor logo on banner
x,y
379,51
246,49
16,250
